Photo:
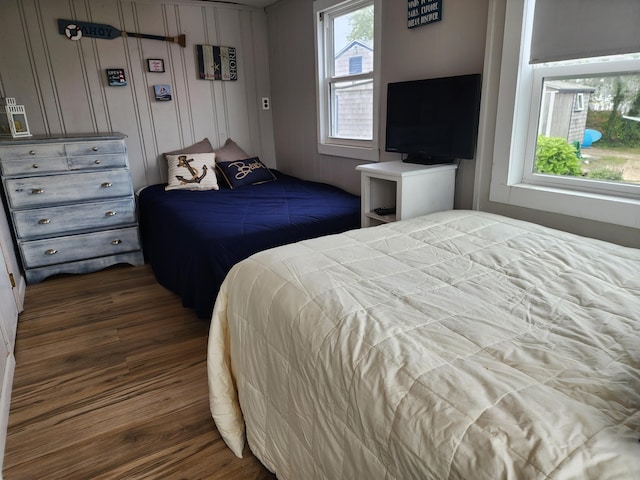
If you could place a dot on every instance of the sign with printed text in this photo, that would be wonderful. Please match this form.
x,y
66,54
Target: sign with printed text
x,y
423,12
115,77
217,63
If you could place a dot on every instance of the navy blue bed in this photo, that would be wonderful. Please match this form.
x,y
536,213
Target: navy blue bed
x,y
193,238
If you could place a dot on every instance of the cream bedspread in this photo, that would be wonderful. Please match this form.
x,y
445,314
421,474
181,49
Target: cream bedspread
x,y
457,345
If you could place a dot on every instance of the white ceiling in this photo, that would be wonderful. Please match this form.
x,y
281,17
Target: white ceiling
x,y
254,3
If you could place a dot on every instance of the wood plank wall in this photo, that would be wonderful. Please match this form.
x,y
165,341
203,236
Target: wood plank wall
x,y
64,88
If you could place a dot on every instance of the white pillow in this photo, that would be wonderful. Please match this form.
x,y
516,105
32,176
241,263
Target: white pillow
x,y
195,171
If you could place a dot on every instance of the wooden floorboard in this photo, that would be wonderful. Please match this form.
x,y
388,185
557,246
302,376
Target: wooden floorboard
x,y
110,383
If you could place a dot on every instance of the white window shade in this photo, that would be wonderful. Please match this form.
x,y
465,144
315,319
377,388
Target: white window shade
x,y
570,29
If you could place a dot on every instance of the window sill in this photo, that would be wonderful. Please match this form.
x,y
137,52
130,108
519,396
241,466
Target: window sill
x,y
603,208
358,153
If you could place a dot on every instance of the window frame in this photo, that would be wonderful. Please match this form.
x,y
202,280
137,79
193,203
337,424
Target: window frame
x,y
560,72
324,48
517,111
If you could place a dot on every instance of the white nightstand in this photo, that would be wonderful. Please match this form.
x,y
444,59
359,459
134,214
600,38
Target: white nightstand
x,y
411,188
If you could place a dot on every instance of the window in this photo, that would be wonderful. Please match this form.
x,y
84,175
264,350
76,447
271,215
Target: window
x,y
347,85
568,124
599,136
355,65
578,105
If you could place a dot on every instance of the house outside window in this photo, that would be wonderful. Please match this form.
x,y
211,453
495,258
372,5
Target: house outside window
x,y
587,108
347,85
353,112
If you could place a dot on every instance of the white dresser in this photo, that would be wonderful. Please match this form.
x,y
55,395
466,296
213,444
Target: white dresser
x,y
71,203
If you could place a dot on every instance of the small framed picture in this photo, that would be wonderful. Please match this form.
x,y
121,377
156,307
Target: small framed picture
x,y
162,92
155,65
115,77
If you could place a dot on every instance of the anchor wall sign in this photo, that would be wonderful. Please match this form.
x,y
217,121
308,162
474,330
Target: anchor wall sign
x,y
75,30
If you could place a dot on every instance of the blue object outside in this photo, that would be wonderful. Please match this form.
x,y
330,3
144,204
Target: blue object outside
x,y
590,136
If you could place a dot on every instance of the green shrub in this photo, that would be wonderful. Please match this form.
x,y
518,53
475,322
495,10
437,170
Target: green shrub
x,y
619,133
556,156
606,173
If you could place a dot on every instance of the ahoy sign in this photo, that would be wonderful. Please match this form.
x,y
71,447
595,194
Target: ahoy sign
x,y
75,30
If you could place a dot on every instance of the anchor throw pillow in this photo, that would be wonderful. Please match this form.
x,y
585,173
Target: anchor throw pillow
x,y
195,171
249,171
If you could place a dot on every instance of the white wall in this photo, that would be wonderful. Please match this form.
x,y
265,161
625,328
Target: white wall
x,y
456,45
453,46
63,85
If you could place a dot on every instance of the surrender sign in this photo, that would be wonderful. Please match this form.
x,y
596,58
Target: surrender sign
x,y
422,12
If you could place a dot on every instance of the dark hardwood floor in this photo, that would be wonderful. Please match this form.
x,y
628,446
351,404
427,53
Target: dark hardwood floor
x,y
110,383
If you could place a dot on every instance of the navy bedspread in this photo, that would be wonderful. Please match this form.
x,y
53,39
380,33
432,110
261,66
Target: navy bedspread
x,y
193,238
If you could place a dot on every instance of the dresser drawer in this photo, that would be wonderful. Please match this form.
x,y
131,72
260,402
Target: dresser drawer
x,y
97,161
34,166
38,253
15,152
55,189
94,148
50,221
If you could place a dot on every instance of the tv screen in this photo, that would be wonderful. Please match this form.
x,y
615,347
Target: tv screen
x,y
434,120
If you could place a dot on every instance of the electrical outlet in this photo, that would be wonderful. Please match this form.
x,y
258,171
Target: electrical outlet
x,y
266,104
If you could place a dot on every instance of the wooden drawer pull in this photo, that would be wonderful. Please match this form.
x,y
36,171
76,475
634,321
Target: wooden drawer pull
x,y
110,213
116,242
37,191
106,185
44,221
51,251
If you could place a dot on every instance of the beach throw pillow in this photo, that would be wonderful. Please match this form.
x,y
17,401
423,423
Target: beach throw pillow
x,y
249,171
195,171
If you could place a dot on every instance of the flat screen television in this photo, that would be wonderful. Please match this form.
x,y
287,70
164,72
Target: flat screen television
x,y
434,120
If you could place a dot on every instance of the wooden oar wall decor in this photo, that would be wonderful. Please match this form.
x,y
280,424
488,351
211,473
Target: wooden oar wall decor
x,y
75,30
